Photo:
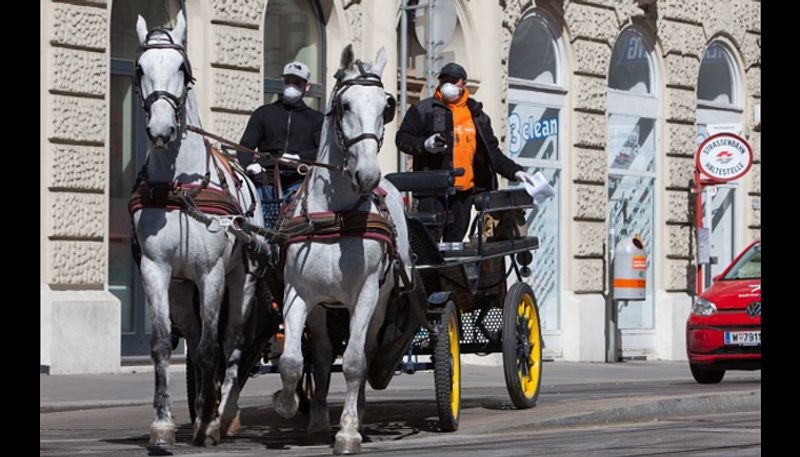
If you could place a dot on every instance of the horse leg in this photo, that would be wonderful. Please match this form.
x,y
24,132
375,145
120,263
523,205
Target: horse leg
x,y
184,318
207,425
354,367
156,279
285,401
319,424
241,289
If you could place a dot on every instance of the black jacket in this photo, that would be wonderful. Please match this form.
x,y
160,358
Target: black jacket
x,y
431,116
278,128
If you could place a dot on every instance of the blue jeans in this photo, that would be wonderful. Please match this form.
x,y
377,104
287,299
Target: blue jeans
x,y
271,205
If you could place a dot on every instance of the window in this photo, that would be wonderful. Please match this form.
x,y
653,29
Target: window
x,y
719,110
127,149
535,122
293,30
632,149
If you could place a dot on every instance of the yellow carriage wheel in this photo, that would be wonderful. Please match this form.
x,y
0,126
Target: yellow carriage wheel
x,y
447,369
522,346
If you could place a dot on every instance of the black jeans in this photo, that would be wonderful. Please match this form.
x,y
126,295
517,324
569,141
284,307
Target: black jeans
x,y
460,206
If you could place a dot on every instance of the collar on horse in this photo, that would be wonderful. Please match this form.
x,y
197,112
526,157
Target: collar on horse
x,y
194,199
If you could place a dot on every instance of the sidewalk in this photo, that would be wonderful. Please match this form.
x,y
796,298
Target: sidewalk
x,y
735,393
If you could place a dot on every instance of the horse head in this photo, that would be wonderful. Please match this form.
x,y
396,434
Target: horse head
x,y
360,108
163,79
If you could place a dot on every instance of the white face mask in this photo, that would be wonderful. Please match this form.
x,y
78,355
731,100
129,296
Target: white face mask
x,y
450,92
291,94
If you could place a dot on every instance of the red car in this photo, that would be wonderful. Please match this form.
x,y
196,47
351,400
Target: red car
x,y
723,331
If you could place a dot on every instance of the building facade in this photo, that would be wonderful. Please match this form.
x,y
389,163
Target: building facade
x,y
608,98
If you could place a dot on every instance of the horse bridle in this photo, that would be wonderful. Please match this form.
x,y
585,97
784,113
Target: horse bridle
x,y
186,69
337,111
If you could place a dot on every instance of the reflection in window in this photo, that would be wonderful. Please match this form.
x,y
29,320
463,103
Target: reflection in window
x,y
545,225
631,213
533,52
630,65
292,32
631,143
716,76
124,14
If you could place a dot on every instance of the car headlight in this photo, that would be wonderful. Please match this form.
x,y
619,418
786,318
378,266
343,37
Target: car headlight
x,y
703,307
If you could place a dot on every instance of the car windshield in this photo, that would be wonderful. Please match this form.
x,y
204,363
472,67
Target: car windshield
x,y
748,266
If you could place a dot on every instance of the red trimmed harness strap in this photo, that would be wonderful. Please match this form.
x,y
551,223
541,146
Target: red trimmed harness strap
x,y
168,196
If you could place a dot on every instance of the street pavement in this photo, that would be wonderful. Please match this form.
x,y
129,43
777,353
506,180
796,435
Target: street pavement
x,y
572,394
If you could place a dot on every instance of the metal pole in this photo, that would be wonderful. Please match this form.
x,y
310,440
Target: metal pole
x,y
401,156
611,321
699,224
708,224
429,53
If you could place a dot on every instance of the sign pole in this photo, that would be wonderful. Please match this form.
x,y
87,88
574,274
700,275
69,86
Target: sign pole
x,y
720,158
699,224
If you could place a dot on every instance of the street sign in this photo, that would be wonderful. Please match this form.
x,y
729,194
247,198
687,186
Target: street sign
x,y
443,27
723,157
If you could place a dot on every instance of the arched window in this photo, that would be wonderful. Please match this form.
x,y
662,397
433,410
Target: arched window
x,y
127,150
293,30
632,148
536,96
719,110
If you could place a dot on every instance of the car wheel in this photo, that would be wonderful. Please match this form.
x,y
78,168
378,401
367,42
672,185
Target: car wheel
x,y
705,375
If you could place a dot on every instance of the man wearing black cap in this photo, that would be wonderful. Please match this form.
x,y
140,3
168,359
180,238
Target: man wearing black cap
x,y
450,130
286,127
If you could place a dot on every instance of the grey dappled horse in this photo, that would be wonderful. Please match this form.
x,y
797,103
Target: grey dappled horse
x,y
176,245
345,272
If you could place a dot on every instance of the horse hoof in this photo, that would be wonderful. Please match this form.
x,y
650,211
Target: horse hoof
x,y
162,435
347,446
213,433
209,437
232,426
285,408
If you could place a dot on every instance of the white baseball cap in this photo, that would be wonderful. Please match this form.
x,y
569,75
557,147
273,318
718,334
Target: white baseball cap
x,y
297,69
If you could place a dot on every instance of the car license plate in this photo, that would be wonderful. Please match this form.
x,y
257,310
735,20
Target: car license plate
x,y
743,338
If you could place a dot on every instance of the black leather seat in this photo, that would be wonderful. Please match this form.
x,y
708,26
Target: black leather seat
x,y
495,247
434,181
506,198
422,243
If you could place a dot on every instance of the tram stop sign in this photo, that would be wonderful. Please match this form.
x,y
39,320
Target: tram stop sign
x,y
723,157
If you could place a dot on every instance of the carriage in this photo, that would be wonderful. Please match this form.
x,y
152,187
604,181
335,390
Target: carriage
x,y
459,304
432,299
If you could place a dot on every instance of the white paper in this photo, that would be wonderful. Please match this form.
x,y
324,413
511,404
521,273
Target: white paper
x,y
541,189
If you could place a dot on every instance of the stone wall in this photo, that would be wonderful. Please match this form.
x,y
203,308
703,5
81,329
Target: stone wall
x,y
76,148
236,64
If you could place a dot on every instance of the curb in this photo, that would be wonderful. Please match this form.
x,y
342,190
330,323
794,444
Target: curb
x,y
642,412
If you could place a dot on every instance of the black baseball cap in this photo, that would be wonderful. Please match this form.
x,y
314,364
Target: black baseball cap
x,y
453,69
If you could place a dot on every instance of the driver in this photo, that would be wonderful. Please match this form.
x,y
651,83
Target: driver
x,y
450,130
287,127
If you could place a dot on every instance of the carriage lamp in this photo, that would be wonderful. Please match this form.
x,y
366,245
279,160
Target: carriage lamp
x,y
524,258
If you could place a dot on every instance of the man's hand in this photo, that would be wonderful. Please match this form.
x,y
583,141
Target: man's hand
x,y
524,178
255,169
435,143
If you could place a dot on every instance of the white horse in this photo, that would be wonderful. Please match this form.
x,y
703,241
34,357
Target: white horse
x,y
177,242
345,272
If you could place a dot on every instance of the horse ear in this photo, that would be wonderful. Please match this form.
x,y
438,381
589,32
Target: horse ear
x,y
347,57
141,30
380,61
179,32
